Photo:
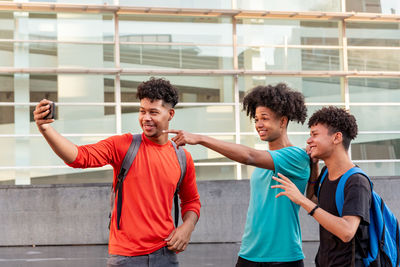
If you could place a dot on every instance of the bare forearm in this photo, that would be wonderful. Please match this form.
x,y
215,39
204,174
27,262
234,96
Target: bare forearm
x,y
65,149
190,218
236,152
338,226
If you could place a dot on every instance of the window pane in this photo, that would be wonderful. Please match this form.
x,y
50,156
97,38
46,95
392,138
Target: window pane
x,y
22,152
295,5
192,119
374,90
291,32
292,59
164,29
376,118
374,60
68,55
79,119
176,57
376,146
201,154
6,25
373,34
179,3
191,89
374,6
380,168
314,89
68,27
215,172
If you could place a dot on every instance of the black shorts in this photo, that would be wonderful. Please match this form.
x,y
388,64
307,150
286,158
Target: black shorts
x,y
245,263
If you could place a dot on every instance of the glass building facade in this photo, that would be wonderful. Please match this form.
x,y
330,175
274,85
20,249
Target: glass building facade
x,y
89,59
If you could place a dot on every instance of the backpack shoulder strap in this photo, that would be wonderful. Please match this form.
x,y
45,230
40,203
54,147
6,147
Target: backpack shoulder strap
x,y
130,156
321,181
339,196
180,153
126,165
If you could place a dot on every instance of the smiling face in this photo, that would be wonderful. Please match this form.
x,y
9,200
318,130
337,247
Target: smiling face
x,y
321,142
267,124
154,117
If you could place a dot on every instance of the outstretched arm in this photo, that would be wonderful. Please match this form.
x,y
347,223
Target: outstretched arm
x,y
343,227
236,152
65,149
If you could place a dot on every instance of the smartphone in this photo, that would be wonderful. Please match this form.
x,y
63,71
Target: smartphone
x,y
52,113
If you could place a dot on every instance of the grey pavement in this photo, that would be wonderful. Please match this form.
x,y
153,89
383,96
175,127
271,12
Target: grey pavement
x,y
196,255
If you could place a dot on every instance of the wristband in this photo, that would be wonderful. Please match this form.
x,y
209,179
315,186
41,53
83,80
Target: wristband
x,y
311,213
312,182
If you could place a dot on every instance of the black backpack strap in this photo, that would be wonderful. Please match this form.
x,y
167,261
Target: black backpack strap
x,y
126,164
180,153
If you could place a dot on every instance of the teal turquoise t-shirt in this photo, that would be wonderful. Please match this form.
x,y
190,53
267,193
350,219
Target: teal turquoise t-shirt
x,y
272,232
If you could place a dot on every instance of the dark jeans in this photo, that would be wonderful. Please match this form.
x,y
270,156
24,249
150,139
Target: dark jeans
x,y
159,258
245,263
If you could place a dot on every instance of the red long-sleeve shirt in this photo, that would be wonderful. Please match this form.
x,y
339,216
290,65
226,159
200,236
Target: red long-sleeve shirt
x,y
148,191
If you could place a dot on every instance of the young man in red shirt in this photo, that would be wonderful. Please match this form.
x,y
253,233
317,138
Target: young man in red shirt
x,y
146,234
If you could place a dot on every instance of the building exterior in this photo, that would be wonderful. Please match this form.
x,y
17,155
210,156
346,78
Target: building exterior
x,y
89,59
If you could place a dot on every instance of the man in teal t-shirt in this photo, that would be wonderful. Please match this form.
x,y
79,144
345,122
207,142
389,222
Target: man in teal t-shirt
x,y
272,233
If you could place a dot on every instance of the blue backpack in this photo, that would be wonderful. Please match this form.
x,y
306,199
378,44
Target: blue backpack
x,y
383,249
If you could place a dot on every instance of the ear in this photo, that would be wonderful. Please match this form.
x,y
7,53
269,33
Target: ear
x,y
171,113
337,138
284,122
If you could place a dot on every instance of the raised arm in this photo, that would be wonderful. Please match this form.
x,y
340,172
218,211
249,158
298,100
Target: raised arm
x,y
343,227
65,149
236,152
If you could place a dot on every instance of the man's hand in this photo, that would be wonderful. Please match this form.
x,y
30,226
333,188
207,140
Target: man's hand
x,y
41,110
182,138
179,239
313,160
290,189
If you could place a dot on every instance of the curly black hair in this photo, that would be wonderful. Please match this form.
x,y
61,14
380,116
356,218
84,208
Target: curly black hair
x,y
337,120
158,89
280,98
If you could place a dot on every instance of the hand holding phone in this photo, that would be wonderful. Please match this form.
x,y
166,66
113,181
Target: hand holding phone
x,y
52,113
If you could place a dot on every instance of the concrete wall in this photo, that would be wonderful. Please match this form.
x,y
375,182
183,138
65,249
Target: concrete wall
x,y
78,214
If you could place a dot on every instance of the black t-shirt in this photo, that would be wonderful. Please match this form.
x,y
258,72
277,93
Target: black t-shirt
x,y
357,202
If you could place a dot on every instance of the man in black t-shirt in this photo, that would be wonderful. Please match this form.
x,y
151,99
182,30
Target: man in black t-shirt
x,y
344,239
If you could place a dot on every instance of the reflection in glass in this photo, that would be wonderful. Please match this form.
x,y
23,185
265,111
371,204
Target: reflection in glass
x,y
292,59
314,89
176,57
165,29
374,6
66,27
215,172
373,34
374,89
374,60
261,32
380,168
382,146
193,89
224,4
81,120
376,118
292,5
69,55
